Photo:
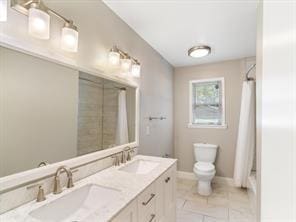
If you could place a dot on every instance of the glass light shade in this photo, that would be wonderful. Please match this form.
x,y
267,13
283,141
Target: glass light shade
x,y
126,64
3,10
136,70
39,22
114,58
69,41
199,51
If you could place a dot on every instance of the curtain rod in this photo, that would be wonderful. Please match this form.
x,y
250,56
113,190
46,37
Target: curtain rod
x,y
248,72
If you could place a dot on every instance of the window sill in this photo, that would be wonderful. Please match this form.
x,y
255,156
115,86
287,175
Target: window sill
x,y
190,125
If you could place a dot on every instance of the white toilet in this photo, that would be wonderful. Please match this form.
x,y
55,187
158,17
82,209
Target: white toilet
x,y
204,168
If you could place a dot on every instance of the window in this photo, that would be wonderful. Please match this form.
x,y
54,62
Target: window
x,y
207,103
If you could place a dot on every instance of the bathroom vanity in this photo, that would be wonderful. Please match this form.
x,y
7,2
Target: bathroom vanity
x,y
142,190
157,202
64,118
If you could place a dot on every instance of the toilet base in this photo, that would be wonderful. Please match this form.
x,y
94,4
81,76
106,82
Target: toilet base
x,y
204,188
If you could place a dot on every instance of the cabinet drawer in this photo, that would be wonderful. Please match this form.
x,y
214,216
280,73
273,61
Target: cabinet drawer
x,y
146,203
149,215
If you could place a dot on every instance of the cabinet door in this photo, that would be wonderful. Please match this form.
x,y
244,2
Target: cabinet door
x,y
128,214
160,199
170,194
147,204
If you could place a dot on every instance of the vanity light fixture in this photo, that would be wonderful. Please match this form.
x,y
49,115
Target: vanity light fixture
x,y
136,69
69,41
128,64
199,51
3,10
39,22
114,56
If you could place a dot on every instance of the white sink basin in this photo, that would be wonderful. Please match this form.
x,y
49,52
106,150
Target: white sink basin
x,y
140,167
76,205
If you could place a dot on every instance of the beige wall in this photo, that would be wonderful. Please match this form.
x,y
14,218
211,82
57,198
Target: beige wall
x,y
99,29
38,114
232,71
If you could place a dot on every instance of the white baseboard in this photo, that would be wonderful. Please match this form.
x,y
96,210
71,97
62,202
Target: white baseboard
x,y
224,180
186,175
217,179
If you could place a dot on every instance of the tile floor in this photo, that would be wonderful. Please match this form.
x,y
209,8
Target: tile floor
x,y
225,204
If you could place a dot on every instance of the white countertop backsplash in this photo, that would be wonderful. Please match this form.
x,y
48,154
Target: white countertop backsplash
x,y
129,184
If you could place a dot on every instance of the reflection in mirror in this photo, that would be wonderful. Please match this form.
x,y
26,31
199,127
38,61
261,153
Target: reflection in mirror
x,y
106,114
50,113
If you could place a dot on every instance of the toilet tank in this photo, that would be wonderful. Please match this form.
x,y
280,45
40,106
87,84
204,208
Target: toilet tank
x,y
205,152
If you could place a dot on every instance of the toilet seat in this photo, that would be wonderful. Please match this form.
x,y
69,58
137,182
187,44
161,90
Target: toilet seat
x,y
204,167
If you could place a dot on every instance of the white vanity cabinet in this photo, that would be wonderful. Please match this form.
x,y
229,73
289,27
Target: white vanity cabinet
x,y
128,214
147,204
168,196
157,203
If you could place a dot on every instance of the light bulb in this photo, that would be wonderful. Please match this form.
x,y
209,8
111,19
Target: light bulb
x,y
136,70
39,22
114,58
3,10
126,64
69,41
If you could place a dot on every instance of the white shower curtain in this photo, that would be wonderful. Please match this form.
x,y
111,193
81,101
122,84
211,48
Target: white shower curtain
x,y
246,136
122,126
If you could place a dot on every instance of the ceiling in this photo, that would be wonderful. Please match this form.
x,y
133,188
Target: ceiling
x,y
173,26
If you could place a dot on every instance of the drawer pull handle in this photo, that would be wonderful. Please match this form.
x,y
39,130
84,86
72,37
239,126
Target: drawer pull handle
x,y
147,202
167,179
152,217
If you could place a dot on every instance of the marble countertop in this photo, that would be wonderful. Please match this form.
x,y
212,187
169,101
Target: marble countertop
x,y
129,184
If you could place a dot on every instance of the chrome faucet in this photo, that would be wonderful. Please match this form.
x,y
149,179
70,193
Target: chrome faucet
x,y
116,160
129,154
43,163
57,184
123,157
126,154
40,195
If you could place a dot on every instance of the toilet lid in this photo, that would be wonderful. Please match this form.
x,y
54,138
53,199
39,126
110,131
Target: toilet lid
x,y
205,167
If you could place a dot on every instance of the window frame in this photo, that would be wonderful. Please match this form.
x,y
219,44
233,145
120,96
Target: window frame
x,y
223,124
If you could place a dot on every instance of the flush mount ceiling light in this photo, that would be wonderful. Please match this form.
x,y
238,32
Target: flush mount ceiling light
x,y
39,22
199,51
128,64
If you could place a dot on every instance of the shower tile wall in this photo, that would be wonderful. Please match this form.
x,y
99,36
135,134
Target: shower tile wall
x,y
110,111
131,113
90,113
97,116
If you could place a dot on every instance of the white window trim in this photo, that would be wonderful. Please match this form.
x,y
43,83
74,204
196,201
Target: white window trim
x,y
223,124
199,126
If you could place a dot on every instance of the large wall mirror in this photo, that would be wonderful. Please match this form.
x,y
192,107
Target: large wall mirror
x,y
50,112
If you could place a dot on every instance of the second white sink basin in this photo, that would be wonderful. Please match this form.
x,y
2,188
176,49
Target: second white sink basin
x,y
76,205
140,167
